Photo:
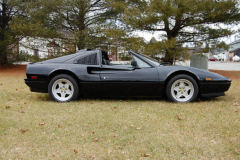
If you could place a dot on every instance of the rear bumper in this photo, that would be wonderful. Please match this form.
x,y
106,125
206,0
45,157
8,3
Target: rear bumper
x,y
37,86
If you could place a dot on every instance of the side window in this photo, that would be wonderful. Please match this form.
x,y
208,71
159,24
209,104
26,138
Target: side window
x,y
90,60
141,63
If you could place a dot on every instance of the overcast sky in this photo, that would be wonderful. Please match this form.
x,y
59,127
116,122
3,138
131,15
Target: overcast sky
x,y
157,35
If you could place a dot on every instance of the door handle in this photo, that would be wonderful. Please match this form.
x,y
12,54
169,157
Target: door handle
x,y
95,72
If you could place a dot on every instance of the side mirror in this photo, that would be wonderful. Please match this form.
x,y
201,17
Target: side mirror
x,y
134,64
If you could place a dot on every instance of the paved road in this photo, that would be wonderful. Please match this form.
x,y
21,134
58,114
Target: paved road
x,y
227,66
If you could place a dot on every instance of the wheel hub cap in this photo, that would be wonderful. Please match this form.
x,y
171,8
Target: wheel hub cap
x,y
182,90
62,89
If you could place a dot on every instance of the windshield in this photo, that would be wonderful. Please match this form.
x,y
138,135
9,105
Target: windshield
x,y
141,63
154,61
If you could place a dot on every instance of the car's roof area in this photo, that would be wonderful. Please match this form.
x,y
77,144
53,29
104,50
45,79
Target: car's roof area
x,y
67,57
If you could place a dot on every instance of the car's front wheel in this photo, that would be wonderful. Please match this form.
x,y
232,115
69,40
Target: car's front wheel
x,y
182,88
63,88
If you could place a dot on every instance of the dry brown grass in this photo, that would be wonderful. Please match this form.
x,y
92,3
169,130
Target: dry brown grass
x,y
234,75
34,127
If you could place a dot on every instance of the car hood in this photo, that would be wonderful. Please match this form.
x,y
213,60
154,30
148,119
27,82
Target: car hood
x,y
200,74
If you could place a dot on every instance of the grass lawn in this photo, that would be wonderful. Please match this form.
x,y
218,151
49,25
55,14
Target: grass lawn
x,y
32,126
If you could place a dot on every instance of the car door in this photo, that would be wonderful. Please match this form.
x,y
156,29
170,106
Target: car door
x,y
88,71
129,81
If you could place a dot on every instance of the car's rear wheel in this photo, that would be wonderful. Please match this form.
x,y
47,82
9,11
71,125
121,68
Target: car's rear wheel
x,y
63,88
182,88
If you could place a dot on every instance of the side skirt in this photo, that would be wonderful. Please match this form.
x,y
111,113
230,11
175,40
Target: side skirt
x,y
213,94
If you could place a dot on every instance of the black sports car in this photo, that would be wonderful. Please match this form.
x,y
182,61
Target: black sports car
x,y
89,73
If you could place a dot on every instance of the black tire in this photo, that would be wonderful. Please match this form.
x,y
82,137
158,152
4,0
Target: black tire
x,y
63,88
182,88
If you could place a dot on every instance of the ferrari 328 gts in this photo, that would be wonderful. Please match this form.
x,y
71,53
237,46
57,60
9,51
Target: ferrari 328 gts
x,y
89,73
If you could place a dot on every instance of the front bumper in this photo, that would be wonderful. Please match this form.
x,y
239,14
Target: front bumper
x,y
214,88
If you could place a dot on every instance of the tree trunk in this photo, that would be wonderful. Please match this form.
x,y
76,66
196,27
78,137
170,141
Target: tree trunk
x,y
3,56
4,20
81,27
81,41
168,57
171,48
3,48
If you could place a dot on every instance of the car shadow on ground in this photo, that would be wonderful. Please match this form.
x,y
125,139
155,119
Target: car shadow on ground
x,y
47,98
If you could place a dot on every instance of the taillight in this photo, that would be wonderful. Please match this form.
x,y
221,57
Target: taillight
x,y
33,77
